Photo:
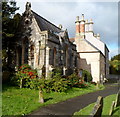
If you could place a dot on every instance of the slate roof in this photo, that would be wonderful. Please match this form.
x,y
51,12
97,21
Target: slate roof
x,y
45,24
92,45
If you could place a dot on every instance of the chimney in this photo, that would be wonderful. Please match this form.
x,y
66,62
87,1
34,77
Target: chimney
x,y
82,26
98,36
91,26
77,25
86,26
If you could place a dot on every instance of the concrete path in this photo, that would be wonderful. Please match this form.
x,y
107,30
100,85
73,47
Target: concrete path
x,y
75,104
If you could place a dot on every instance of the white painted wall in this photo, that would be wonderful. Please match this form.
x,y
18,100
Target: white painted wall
x,y
91,63
96,42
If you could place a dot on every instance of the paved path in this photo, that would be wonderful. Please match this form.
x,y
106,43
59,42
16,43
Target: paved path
x,y
75,104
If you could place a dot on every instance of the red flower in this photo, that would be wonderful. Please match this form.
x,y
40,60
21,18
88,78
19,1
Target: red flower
x,y
30,73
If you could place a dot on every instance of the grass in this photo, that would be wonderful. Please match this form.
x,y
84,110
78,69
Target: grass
x,y
106,107
17,101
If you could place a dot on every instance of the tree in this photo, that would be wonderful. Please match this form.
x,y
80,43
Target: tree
x,y
115,65
10,23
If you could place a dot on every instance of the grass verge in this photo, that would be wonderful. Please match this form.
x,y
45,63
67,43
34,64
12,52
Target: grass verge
x,y
17,101
106,107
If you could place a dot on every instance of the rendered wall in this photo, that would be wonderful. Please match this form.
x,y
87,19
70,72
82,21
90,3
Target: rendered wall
x,y
91,63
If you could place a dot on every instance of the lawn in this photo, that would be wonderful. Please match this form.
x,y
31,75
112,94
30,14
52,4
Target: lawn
x,y
17,101
106,107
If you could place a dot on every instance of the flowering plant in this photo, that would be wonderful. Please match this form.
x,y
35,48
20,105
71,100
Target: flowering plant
x,y
82,84
25,75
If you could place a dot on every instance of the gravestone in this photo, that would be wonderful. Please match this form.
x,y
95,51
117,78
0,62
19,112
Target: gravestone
x,y
97,110
117,101
41,99
112,108
97,85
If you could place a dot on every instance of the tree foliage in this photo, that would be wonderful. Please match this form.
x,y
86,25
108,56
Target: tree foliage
x,y
10,23
115,65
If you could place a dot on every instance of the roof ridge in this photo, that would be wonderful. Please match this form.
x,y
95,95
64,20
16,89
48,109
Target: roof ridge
x,y
46,20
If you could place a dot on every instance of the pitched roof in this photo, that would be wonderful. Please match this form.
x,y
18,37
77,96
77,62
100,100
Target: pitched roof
x,y
92,45
45,24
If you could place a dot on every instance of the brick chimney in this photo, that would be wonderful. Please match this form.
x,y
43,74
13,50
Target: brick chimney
x,y
82,26
77,25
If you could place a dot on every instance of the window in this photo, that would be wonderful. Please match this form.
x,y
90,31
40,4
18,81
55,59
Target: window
x,y
66,56
54,57
32,54
39,53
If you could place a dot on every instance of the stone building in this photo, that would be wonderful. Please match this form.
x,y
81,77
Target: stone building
x,y
44,46
92,51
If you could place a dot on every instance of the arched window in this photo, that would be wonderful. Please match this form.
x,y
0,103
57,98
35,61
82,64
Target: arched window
x,y
66,56
39,53
32,54
54,56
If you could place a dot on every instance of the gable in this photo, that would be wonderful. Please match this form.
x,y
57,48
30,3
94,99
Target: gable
x,y
97,43
85,46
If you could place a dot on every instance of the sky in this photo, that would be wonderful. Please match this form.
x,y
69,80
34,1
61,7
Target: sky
x,y
103,14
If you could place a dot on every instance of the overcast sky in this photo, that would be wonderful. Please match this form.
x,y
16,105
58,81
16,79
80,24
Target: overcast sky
x,y
104,15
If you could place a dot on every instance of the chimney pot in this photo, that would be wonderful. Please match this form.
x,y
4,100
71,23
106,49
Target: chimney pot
x,y
77,18
91,21
86,21
98,35
82,16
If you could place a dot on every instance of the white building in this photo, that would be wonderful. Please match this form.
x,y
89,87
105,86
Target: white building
x,y
92,51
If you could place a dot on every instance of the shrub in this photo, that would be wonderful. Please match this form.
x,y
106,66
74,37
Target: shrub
x,y
82,84
93,83
57,71
87,76
73,79
56,84
26,76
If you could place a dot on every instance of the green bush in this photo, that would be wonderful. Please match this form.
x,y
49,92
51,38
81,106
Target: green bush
x,y
82,84
73,79
26,76
87,75
54,84
57,71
